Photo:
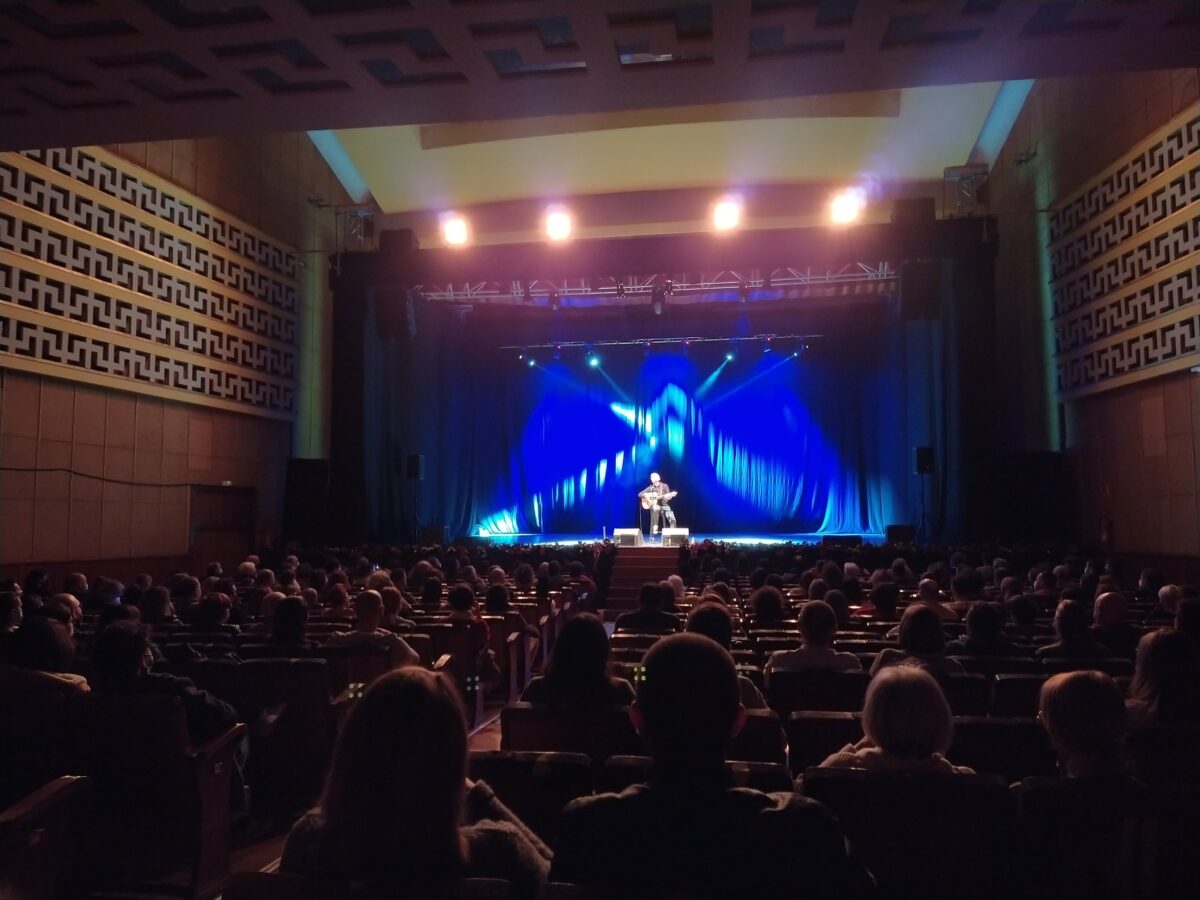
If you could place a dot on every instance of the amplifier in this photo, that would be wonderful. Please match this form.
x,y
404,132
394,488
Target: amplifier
x,y
627,537
674,537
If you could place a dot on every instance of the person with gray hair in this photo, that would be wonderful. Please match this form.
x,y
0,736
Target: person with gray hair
x,y
907,726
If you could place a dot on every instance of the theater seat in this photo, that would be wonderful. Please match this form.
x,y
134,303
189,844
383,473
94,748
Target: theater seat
x,y
39,838
928,836
815,735
598,733
1016,695
1166,753
535,786
1013,748
760,740
1000,665
1116,666
622,771
967,694
158,803
263,886
818,689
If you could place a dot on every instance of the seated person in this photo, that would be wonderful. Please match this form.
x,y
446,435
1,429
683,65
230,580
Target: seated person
x,y
39,657
713,621
10,612
157,609
768,606
431,594
1075,641
1110,626
840,604
922,644
395,608
1168,597
687,830
368,610
929,593
1166,682
818,628
985,634
398,809
907,726
289,627
121,659
266,609
577,673
1084,715
1024,610
881,605
211,615
649,616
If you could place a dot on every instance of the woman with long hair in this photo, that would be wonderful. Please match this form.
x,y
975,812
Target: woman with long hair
x,y
397,805
577,673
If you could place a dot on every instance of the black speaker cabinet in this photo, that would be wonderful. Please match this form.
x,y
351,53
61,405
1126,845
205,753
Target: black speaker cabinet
x,y
923,460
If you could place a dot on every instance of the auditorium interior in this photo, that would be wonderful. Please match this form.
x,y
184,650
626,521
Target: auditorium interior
x,y
760,439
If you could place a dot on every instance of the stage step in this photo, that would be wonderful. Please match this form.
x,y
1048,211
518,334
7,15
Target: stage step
x,y
633,567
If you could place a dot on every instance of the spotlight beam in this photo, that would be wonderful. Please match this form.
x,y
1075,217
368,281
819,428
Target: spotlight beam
x,y
749,381
708,382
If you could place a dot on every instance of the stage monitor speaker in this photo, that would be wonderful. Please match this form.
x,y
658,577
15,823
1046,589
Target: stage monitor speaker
x,y
674,537
305,498
434,534
627,537
923,460
415,467
920,288
901,534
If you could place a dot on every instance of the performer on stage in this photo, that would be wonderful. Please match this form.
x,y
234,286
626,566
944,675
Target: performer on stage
x,y
657,498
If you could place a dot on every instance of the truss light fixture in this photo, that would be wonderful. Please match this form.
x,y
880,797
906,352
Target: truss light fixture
x,y
658,301
558,224
456,231
727,213
847,206
554,301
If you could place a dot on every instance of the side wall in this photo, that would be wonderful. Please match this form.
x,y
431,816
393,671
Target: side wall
x,y
278,184
1134,447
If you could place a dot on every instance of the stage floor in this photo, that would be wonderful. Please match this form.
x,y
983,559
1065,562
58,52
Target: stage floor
x,y
777,538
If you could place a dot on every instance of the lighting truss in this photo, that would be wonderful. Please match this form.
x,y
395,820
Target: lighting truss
x,y
851,279
756,339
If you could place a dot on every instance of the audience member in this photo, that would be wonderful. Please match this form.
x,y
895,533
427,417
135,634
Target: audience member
x,y
714,622
907,726
818,628
367,631
922,644
1075,640
40,655
1110,626
398,807
578,672
10,612
1166,681
882,605
649,616
289,626
156,607
1084,715
690,832
985,634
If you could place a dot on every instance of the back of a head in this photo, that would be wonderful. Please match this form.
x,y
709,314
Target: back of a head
x,y
929,591
985,620
921,631
1110,608
41,644
1010,586
818,623
1023,608
431,592
119,652
1084,714
368,605
394,792
578,665
676,586
906,713
461,598
496,598
966,585
758,578
1187,617
886,597
650,595
392,598
1167,678
212,610
121,612
688,702
767,604
817,589
711,620
290,621
155,604
722,590
1071,620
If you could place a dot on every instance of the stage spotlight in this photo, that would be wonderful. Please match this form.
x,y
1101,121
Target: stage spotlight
x,y
455,230
731,353
593,360
744,293
531,362
846,206
669,287
646,349
554,301
727,213
558,352
557,224
767,345
657,301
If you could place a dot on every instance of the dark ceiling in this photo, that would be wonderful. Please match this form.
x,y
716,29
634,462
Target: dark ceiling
x,y
103,71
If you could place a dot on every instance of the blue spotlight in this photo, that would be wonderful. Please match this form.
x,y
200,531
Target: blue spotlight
x,y
530,361
593,360
729,355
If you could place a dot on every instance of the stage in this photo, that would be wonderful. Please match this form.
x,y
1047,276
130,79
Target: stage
x,y
536,539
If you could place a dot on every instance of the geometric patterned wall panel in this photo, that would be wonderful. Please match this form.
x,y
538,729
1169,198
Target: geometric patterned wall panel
x,y
1125,266
110,273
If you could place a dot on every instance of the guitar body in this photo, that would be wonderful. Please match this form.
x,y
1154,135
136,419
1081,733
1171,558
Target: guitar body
x,y
648,500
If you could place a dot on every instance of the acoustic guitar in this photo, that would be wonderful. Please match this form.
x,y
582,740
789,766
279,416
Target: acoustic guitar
x,y
648,500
